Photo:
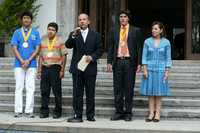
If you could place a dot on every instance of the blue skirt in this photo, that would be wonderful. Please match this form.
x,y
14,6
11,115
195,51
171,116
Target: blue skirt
x,y
155,85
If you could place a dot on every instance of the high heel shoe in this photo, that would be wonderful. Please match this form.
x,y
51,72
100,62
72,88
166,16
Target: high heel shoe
x,y
150,118
156,120
156,117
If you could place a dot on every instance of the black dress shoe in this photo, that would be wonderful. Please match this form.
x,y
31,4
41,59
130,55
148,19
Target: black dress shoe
x,y
116,117
128,118
75,120
91,119
44,115
56,115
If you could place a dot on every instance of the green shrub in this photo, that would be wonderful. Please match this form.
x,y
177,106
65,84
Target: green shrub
x,y
10,11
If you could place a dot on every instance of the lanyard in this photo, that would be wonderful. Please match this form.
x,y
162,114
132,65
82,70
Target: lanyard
x,y
26,36
51,43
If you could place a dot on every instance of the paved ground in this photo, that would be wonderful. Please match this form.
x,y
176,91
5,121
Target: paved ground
x,y
8,122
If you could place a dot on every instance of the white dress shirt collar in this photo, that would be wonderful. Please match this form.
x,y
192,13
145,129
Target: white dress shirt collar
x,y
84,33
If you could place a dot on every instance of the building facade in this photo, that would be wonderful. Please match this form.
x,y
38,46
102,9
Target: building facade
x,y
181,18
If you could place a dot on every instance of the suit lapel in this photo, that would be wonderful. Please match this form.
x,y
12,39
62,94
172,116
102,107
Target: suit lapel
x,y
129,32
117,36
131,36
81,42
80,38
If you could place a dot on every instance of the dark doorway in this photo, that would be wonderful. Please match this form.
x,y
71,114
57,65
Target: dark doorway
x,y
170,12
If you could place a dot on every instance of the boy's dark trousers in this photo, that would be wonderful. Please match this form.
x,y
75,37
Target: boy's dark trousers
x,y
50,78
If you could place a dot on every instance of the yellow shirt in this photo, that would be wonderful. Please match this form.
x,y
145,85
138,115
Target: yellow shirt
x,y
123,42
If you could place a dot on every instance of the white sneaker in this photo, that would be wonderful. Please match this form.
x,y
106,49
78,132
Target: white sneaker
x,y
30,115
17,115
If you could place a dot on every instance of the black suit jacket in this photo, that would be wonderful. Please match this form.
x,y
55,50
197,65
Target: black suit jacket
x,y
92,47
135,43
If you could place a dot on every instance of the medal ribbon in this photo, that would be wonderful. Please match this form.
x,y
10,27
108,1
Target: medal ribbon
x,y
51,43
26,36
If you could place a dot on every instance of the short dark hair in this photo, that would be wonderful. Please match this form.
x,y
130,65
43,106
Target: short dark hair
x,y
127,12
54,25
26,13
161,26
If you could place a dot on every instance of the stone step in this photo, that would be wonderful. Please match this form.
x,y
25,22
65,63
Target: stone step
x,y
190,63
102,67
102,64
108,91
184,81
102,125
108,111
105,90
105,75
9,86
109,82
104,61
168,102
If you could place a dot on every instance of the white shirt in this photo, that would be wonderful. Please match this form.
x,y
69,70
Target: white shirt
x,y
84,34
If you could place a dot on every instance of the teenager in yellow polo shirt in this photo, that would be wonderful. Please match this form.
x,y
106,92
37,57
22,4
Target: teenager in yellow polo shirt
x,y
51,69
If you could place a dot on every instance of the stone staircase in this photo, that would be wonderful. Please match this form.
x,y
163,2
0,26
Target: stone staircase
x,y
183,104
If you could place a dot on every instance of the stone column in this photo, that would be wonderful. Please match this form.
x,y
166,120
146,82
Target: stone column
x,y
66,16
67,11
1,1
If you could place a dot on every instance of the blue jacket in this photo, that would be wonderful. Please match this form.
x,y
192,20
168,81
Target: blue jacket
x,y
157,58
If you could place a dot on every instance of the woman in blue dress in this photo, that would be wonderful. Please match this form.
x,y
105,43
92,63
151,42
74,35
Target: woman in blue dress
x,y
156,60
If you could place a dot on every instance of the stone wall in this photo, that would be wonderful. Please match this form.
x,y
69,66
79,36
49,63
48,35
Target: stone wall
x,y
66,17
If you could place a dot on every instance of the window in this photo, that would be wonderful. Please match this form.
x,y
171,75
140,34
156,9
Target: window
x,y
196,26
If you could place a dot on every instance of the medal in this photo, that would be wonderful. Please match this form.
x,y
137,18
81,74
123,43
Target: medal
x,y
25,44
50,54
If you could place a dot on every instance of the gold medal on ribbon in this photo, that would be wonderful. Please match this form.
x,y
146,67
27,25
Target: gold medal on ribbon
x,y
50,54
25,44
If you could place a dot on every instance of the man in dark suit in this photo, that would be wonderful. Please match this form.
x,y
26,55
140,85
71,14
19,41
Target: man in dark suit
x,y
84,41
124,60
